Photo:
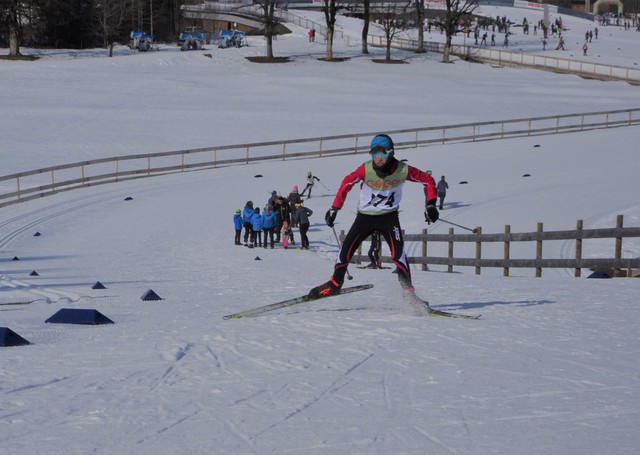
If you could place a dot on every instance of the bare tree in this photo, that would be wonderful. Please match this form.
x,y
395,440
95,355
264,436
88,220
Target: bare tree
x,y
389,15
110,16
455,14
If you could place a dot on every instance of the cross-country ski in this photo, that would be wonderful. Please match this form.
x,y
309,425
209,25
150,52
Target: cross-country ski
x,y
293,301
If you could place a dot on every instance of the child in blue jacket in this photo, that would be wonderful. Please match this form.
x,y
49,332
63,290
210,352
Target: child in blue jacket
x,y
237,223
268,225
256,228
247,214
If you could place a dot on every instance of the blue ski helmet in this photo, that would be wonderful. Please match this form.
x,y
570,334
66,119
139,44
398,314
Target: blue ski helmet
x,y
382,143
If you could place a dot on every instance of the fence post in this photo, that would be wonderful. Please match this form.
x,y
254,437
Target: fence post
x,y
53,181
539,250
450,266
425,267
579,225
618,249
507,250
478,249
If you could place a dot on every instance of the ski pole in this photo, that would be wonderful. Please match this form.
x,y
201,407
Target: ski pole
x,y
325,187
349,277
460,226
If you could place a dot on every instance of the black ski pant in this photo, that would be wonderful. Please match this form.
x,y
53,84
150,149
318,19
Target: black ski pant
x,y
388,225
268,234
304,240
247,231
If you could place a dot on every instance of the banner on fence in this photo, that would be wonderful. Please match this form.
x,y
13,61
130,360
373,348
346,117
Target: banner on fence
x,y
535,5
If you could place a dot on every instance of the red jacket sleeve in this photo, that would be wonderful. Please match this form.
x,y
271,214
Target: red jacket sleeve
x,y
416,175
347,183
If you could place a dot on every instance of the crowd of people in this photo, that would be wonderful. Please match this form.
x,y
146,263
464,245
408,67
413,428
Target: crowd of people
x,y
274,223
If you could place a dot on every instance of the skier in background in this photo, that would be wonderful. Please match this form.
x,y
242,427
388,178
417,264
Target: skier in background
x,y
374,251
380,195
310,183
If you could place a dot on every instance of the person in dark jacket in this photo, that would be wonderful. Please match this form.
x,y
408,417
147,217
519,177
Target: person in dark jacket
x,y
237,224
442,188
301,215
283,209
247,213
294,198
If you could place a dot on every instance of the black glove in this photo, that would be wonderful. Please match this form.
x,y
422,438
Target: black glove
x,y
431,215
330,216
432,202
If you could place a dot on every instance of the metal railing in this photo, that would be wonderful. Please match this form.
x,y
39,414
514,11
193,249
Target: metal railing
x,y
502,57
28,185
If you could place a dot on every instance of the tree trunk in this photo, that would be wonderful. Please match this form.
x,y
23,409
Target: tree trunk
x,y
365,27
420,22
14,47
269,45
447,49
14,29
329,52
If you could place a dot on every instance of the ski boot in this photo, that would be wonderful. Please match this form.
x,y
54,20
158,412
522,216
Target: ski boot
x,y
331,287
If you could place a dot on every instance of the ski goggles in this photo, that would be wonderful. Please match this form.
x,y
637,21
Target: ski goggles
x,y
379,152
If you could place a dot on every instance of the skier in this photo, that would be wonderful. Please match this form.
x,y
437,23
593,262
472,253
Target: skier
x,y
310,183
380,195
237,224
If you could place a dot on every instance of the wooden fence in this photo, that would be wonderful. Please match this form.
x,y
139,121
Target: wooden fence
x,y
28,185
616,265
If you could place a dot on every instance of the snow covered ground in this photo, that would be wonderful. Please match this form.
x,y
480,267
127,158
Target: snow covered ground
x,y
551,368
